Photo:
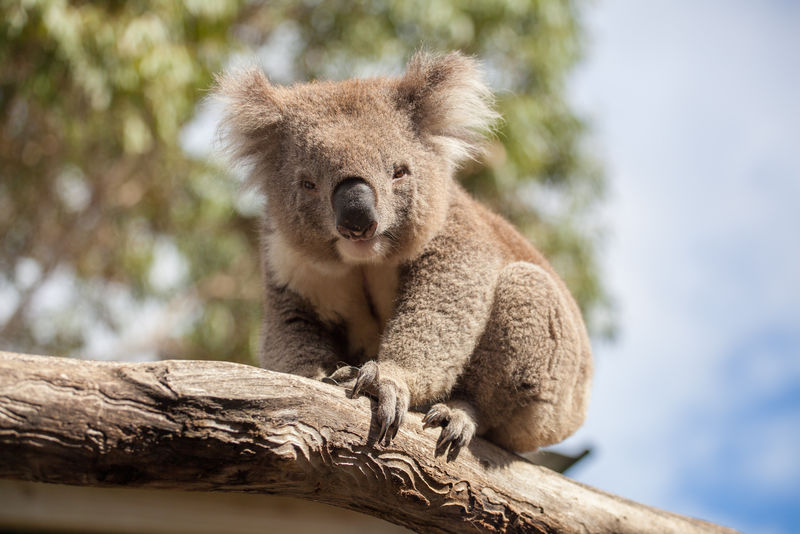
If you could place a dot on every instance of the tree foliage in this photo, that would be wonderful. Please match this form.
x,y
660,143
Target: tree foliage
x,y
113,234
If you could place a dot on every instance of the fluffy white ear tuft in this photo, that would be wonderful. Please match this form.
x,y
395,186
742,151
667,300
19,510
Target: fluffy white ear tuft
x,y
449,102
252,115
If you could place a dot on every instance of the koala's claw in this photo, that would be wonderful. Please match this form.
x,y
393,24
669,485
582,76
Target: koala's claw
x,y
393,400
435,417
367,376
458,429
392,408
343,376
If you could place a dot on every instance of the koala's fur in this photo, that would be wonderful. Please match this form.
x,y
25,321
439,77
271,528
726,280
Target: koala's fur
x,y
448,308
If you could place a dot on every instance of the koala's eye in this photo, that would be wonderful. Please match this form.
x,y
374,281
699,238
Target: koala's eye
x,y
399,173
310,186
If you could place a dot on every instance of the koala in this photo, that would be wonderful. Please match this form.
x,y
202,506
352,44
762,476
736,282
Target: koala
x,y
376,258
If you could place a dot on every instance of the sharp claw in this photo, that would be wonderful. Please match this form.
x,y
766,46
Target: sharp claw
x,y
439,450
357,388
446,439
392,406
427,421
382,431
329,380
388,429
453,453
400,414
395,428
435,417
441,441
387,433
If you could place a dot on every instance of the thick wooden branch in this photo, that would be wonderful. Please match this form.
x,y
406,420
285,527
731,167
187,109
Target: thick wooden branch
x,y
221,426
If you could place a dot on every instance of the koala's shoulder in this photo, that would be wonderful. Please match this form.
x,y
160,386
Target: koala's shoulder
x,y
468,224
474,234
464,237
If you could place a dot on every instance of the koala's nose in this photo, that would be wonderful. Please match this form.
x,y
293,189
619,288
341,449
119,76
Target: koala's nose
x,y
354,208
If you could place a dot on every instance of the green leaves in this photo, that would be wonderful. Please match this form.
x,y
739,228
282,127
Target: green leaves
x,y
94,182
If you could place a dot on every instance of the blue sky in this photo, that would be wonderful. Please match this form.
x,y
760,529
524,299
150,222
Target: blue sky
x,y
695,110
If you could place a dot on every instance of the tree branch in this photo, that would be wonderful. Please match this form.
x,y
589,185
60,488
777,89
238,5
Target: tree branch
x,y
200,425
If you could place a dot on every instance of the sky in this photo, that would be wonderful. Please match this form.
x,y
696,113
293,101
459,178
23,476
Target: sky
x,y
694,109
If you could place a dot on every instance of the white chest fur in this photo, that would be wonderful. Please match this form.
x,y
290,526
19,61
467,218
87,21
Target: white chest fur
x,y
361,297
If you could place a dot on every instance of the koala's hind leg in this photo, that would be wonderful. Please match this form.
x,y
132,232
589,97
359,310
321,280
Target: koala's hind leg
x,y
530,376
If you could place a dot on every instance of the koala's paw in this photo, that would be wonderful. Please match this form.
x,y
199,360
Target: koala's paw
x,y
344,376
458,429
393,399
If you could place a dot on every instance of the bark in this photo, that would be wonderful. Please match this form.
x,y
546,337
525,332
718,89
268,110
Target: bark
x,y
200,425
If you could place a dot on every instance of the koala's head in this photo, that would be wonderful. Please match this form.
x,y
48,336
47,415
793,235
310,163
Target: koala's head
x,y
358,171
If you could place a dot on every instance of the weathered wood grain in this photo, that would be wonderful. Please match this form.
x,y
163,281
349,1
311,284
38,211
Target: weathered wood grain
x,y
226,427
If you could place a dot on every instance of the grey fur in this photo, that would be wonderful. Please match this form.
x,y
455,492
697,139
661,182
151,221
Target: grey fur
x,y
448,307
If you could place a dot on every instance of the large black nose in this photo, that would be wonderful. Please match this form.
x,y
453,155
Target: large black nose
x,y
354,207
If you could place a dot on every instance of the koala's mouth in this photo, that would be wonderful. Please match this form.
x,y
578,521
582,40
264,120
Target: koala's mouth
x,y
355,233
362,249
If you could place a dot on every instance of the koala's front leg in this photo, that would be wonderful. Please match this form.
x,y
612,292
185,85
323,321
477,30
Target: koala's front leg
x,y
293,339
443,304
392,395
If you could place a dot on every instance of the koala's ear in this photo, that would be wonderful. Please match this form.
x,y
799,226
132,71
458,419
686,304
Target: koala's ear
x,y
250,127
449,102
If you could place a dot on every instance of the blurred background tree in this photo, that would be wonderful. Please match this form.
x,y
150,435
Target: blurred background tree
x,y
121,240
